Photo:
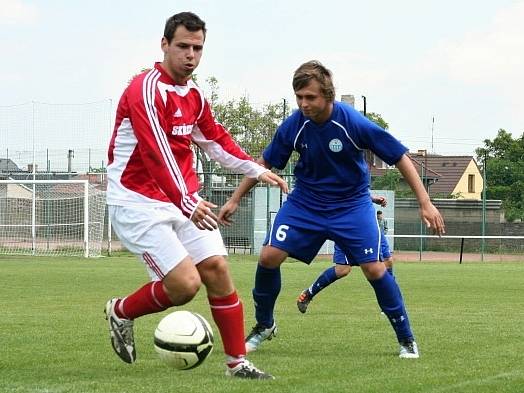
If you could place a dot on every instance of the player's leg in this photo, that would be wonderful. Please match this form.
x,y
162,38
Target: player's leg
x,y
390,300
361,241
265,293
207,251
386,254
148,234
341,269
295,232
389,265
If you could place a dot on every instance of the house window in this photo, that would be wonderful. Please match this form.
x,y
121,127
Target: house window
x,y
471,183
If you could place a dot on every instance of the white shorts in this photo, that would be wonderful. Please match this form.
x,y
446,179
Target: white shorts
x,y
162,237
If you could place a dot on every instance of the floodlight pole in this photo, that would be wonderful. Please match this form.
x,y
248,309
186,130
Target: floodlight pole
x,y
364,98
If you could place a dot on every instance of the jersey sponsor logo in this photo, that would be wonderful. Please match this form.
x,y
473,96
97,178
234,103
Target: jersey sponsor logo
x,y
184,129
368,251
335,145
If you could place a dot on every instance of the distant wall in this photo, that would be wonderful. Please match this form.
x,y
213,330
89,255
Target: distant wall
x,y
462,217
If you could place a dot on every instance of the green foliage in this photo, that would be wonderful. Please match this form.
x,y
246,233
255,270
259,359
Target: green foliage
x,y
55,339
503,158
252,127
377,119
97,170
390,180
441,195
140,72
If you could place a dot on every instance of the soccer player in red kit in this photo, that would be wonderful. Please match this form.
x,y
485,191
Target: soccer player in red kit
x,y
153,196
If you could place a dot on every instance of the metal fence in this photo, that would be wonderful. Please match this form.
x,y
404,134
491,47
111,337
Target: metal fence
x,y
49,141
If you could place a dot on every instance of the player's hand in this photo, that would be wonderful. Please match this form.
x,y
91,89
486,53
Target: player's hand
x,y
203,217
382,201
432,218
226,211
274,180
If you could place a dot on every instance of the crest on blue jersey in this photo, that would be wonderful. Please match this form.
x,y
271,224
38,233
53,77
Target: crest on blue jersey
x,y
335,145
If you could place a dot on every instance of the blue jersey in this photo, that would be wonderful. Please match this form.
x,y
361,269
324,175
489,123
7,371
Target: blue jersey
x,y
331,171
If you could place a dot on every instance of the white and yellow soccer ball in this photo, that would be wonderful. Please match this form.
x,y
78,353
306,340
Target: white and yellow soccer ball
x,y
183,339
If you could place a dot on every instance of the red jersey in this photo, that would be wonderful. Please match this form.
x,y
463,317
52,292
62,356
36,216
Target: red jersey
x,y
150,157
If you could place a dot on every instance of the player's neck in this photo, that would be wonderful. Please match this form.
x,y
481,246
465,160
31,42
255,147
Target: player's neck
x,y
180,80
324,116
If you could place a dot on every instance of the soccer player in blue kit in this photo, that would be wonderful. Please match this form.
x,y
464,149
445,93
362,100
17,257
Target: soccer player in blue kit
x,y
343,264
331,199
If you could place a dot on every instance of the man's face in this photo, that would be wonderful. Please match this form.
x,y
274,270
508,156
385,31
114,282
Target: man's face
x,y
312,103
182,55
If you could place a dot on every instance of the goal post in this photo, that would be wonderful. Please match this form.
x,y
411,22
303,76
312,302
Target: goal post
x,y
51,217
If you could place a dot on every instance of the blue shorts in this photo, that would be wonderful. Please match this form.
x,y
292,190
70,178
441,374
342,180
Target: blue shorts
x,y
340,258
301,230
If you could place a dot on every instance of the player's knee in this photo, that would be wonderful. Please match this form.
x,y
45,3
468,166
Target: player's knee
x,y
182,286
214,269
271,257
342,270
185,290
373,270
388,262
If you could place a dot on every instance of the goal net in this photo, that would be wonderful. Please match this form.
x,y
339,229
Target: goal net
x,y
51,217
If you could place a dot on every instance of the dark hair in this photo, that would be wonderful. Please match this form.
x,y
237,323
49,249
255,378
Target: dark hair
x,y
379,212
189,20
315,70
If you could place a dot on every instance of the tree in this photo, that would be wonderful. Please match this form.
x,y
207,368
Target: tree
x,y
390,180
140,72
251,126
503,160
377,119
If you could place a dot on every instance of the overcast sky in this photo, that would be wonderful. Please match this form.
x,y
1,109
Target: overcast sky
x,y
459,62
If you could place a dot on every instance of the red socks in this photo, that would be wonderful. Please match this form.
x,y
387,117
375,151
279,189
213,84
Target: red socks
x,y
228,314
149,299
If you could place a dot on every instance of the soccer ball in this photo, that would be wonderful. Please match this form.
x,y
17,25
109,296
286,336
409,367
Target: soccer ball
x,y
183,339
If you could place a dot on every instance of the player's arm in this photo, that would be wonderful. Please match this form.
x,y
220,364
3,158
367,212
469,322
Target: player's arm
x,y
160,162
428,212
276,154
379,200
390,150
214,139
230,207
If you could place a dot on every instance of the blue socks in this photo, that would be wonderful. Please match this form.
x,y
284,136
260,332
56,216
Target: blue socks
x,y
327,277
265,293
390,301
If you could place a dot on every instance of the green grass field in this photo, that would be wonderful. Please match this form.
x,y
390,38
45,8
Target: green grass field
x,y
468,319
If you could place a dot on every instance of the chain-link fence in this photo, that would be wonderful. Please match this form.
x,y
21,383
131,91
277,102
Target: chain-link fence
x,y
46,141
